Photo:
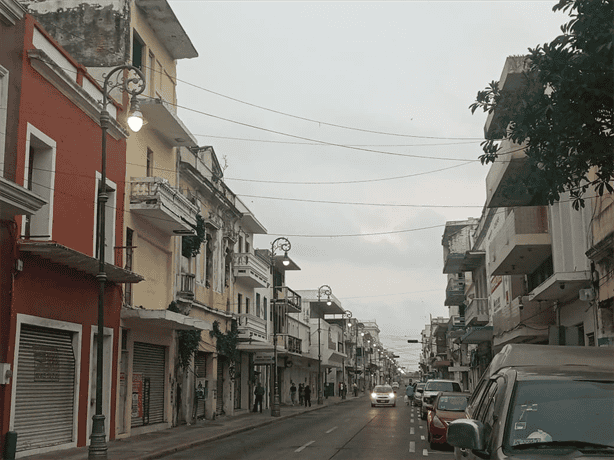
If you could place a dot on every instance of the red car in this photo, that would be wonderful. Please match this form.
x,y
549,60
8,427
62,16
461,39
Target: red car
x,y
447,406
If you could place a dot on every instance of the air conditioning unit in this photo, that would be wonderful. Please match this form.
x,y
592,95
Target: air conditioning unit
x,y
586,294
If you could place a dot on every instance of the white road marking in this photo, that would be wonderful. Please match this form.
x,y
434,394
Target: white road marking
x,y
302,447
411,430
331,430
422,437
425,452
412,446
411,420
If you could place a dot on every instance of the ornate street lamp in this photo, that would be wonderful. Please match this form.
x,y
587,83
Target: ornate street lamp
x,y
327,291
124,81
283,244
348,316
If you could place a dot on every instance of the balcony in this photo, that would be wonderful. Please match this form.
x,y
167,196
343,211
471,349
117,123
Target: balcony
x,y
185,286
250,270
455,292
523,321
284,297
476,313
512,78
161,205
457,244
294,345
562,286
162,118
522,243
251,327
504,187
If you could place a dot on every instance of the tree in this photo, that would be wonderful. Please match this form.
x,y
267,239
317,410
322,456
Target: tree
x,y
562,113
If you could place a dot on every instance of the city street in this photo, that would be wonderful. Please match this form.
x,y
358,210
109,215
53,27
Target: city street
x,y
353,430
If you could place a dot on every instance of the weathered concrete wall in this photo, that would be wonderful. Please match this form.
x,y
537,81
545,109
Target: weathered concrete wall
x,y
96,33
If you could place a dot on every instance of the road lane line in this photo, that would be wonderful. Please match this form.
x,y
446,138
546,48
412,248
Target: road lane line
x,y
422,437
412,446
302,447
331,430
411,430
411,420
425,452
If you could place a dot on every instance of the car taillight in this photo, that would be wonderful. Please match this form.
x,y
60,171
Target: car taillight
x,y
437,422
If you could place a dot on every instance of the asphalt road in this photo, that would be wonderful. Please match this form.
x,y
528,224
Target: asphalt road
x,y
349,431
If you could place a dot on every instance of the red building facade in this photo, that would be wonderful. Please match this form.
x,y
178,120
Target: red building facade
x,y
48,313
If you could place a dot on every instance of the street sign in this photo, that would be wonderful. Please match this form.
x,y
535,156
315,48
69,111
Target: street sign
x,y
262,359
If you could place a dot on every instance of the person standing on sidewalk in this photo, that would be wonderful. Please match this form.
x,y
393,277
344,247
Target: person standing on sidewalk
x,y
259,392
307,395
301,394
293,392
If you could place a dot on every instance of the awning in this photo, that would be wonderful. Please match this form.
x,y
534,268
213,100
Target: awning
x,y
477,335
74,259
162,319
255,346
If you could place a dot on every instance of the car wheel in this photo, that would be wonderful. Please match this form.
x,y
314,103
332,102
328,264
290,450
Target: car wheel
x,y
394,405
432,445
372,405
422,415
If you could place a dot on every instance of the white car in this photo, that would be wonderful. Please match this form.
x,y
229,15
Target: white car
x,y
382,395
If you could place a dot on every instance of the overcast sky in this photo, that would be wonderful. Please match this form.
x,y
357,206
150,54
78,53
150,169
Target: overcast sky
x,y
389,85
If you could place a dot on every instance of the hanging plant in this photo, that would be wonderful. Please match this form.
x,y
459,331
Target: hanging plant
x,y
187,343
190,245
226,343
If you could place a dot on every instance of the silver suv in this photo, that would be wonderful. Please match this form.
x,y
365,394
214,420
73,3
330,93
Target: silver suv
x,y
431,389
540,401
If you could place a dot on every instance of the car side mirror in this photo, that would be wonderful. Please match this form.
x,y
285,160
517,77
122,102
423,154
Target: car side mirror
x,y
467,434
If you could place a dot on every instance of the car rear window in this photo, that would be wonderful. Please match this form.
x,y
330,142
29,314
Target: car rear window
x,y
453,403
442,386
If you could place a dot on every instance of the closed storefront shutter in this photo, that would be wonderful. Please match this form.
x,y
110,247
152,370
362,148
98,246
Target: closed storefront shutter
x,y
200,365
148,384
220,386
45,388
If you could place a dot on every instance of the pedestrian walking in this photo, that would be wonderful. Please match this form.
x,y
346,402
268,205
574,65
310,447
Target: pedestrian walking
x,y
259,392
355,388
293,392
301,394
307,396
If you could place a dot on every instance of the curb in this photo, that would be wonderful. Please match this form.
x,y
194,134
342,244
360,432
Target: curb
x,y
200,442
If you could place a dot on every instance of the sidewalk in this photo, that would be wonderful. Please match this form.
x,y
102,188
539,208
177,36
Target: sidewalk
x,y
160,443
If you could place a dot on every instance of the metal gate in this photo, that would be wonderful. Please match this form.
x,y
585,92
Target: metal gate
x,y
148,383
45,388
200,366
220,386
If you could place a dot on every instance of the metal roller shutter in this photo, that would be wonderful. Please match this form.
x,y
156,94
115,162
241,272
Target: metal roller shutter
x,y
45,388
219,407
149,362
200,366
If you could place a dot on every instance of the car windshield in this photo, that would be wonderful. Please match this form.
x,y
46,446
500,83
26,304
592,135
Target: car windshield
x,y
453,403
561,412
382,389
442,386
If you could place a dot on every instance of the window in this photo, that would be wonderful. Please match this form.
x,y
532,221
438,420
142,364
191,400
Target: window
x,y
39,177
258,305
4,100
128,266
109,224
240,244
209,262
247,305
265,307
149,165
152,74
246,246
137,51
239,302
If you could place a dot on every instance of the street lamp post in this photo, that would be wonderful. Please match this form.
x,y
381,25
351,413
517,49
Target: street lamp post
x,y
134,86
283,244
322,290
348,317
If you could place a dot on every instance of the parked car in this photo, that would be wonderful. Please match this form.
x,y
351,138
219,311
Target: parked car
x,y
418,394
540,401
431,389
382,395
447,407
